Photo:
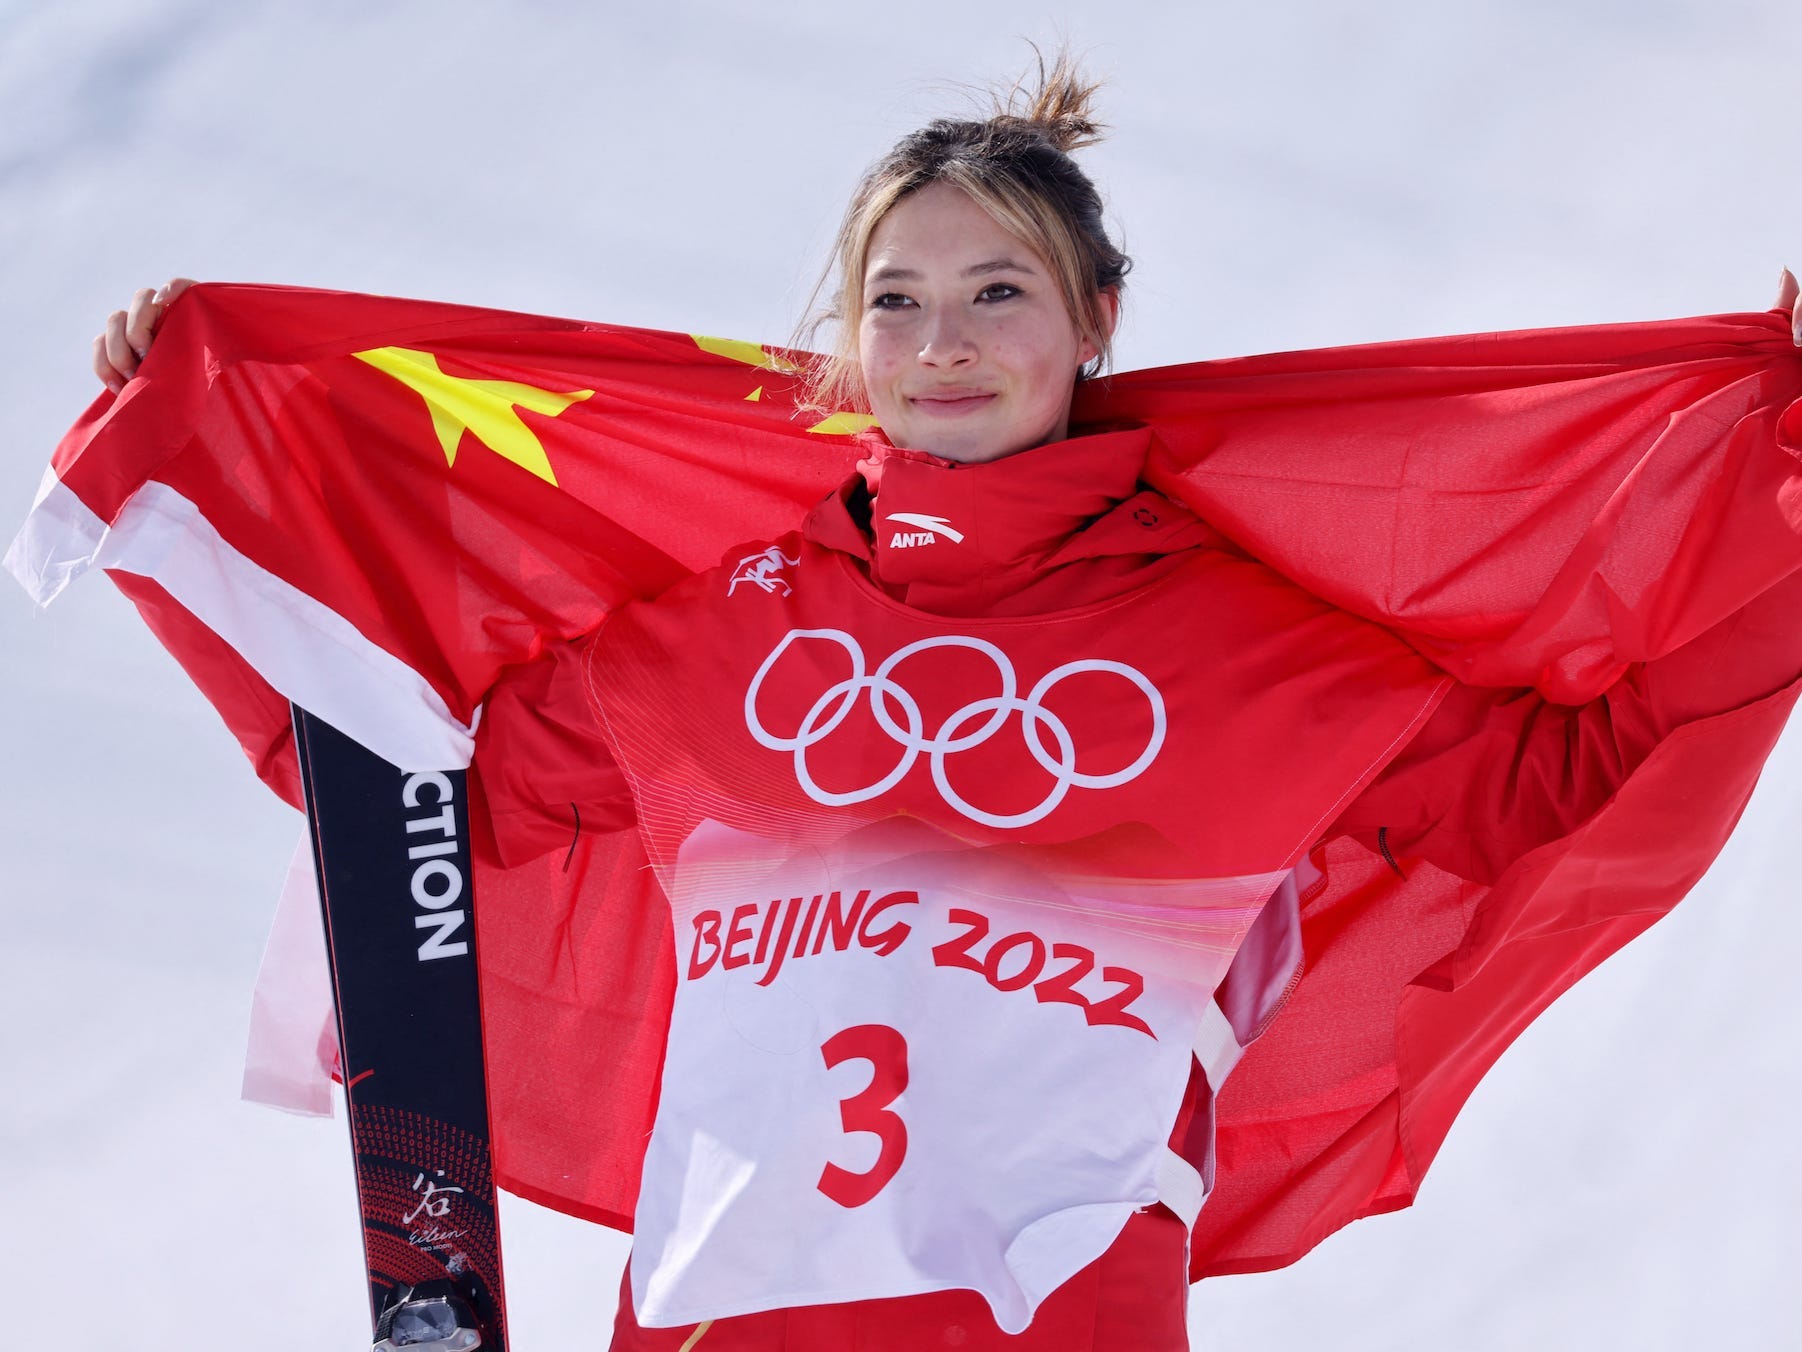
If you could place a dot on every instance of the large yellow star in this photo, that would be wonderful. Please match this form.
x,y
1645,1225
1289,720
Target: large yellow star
x,y
484,407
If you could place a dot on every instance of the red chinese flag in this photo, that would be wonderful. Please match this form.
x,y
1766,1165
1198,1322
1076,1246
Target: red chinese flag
x,y
375,508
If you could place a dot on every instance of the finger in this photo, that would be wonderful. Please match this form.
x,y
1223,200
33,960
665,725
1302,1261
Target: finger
x,y
118,350
169,290
140,321
104,368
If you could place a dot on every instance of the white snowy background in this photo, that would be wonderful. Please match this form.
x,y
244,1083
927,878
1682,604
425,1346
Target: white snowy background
x,y
1286,175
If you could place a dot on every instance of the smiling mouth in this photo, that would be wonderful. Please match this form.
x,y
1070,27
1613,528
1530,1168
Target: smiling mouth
x,y
949,401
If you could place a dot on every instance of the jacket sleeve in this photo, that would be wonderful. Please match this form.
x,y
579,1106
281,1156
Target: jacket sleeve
x,y
546,773
1497,773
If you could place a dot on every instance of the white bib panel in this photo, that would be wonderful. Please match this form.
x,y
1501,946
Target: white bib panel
x,y
905,1064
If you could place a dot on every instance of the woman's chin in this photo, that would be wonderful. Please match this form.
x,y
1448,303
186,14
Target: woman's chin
x,y
965,446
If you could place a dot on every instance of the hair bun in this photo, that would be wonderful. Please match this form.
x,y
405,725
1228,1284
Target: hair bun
x,y
1057,102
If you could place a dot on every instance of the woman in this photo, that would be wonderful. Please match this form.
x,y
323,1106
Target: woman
x,y
868,855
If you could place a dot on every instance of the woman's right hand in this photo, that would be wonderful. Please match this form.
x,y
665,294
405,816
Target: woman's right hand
x,y
126,338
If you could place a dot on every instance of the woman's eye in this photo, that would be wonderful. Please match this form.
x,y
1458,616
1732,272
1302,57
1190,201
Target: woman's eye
x,y
999,291
889,300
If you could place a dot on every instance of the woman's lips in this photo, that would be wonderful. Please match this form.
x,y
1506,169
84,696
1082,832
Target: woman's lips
x,y
952,403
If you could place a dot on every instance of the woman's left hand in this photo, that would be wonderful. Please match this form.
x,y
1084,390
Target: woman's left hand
x,y
1789,297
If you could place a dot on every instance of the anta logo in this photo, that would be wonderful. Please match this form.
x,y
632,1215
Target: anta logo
x,y
764,571
927,530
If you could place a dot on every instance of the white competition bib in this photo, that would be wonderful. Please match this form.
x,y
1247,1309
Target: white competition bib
x,y
902,1064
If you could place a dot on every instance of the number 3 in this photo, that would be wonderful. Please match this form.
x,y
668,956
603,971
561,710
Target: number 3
x,y
886,1051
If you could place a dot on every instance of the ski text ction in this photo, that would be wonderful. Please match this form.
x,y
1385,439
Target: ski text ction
x,y
437,876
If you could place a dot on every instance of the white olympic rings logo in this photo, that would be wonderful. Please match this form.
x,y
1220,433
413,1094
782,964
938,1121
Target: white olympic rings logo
x,y
836,703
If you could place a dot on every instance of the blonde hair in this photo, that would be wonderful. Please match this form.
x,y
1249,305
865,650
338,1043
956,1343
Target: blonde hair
x,y
1015,164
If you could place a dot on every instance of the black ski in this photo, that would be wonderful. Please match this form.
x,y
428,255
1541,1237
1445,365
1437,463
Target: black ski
x,y
391,851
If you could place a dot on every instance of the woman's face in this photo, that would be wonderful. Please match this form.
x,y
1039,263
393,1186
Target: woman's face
x,y
966,348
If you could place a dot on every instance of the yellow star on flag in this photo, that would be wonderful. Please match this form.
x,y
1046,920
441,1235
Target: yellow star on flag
x,y
485,407
841,424
844,423
751,354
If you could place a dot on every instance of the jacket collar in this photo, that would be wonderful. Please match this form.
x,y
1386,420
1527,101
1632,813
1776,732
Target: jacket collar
x,y
956,539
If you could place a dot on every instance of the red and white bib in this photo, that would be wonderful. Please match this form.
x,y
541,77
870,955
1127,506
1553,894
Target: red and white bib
x,y
951,899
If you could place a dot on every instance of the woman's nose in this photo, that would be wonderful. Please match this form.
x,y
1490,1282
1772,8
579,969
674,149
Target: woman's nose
x,y
947,340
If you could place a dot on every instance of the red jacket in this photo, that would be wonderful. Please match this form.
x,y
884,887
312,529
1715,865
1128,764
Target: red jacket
x,y
1490,777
